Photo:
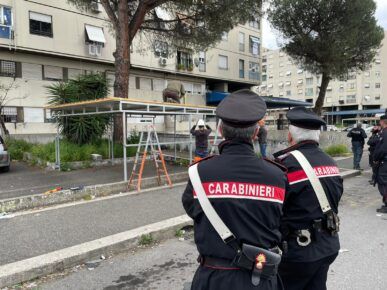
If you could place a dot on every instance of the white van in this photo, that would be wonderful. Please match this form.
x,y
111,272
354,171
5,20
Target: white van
x,y
5,158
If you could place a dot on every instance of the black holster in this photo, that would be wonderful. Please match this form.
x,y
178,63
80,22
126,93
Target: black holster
x,y
247,259
333,222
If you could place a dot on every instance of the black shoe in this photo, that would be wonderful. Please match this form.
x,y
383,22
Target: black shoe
x,y
371,181
383,209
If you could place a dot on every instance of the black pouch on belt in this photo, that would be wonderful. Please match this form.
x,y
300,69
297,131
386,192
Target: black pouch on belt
x,y
261,262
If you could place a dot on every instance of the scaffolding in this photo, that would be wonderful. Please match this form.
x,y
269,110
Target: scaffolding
x,y
132,108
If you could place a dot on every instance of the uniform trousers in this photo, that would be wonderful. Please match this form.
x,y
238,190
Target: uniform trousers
x,y
213,279
383,192
306,275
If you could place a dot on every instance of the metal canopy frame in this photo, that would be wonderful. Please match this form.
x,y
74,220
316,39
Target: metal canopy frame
x,y
132,108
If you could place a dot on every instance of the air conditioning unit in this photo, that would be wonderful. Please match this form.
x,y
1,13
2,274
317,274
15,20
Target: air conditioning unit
x,y
163,61
96,7
341,102
95,49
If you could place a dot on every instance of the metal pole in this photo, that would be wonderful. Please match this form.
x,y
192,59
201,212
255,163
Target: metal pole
x,y
190,138
124,145
57,149
174,136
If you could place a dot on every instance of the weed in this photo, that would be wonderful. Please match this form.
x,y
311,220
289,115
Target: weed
x,y
146,240
336,150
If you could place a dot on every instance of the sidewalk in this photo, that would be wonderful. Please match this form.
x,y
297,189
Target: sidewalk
x,y
36,233
25,180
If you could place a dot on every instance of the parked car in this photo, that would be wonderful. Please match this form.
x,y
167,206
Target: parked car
x,y
5,158
332,128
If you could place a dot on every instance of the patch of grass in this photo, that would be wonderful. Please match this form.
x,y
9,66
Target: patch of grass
x,y
87,197
179,233
337,150
16,148
146,240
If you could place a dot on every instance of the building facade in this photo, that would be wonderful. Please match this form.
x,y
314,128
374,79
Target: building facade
x,y
359,91
43,41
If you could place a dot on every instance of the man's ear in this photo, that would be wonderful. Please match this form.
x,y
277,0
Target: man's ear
x,y
290,138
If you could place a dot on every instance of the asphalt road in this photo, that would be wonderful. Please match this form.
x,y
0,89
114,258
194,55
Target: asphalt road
x,y
361,265
34,234
26,180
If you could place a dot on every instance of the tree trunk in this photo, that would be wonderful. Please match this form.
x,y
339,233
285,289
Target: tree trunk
x,y
122,62
3,130
321,96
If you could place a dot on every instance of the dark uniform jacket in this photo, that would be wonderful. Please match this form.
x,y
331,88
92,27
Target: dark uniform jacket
x,y
380,156
357,135
301,206
201,136
247,192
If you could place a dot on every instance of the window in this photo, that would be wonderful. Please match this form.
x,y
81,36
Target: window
x,y
241,68
270,76
351,86
309,81
264,78
52,73
270,66
341,89
300,92
253,71
223,62
281,94
9,114
378,61
378,74
270,86
377,85
184,60
198,89
281,74
73,73
7,68
41,24
264,68
329,89
367,85
377,97
341,100
202,61
367,74
329,99
224,35
351,99
288,93
160,48
32,71
254,44
288,84
352,76
145,84
254,23
309,92
300,82
281,64
33,115
300,71
288,73
5,22
241,41
281,85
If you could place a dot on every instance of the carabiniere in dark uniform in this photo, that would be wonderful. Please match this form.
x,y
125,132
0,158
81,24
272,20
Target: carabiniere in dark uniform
x,y
311,242
247,193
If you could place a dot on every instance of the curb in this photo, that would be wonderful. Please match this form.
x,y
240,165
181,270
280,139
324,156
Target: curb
x,y
42,200
350,173
28,269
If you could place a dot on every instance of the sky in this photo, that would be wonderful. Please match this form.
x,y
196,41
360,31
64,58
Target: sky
x,y
269,36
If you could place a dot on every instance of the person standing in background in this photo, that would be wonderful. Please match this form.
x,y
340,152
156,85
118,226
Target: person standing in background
x,y
358,136
201,131
372,142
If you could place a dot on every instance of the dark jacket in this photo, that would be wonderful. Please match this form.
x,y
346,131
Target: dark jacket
x,y
247,192
380,156
357,135
301,206
373,141
201,137
262,135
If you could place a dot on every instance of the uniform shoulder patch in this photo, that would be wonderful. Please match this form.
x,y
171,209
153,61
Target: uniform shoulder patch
x,y
280,166
201,160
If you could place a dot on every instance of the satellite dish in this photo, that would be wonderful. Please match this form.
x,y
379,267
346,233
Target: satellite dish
x,y
367,98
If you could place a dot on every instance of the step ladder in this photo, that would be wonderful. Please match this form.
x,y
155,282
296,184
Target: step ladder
x,y
215,142
152,144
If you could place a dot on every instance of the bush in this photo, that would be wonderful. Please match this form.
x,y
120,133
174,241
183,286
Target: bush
x,y
16,148
336,150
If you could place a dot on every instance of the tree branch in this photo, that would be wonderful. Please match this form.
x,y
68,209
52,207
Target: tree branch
x,y
110,12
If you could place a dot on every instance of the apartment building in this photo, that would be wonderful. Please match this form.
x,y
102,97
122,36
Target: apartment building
x,y
43,41
358,94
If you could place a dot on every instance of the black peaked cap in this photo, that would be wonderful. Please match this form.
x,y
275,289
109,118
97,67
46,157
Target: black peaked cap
x,y
305,118
242,108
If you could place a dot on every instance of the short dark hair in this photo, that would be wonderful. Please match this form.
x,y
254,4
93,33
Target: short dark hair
x,y
230,133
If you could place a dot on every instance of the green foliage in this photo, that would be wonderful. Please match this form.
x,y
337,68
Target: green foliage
x,y
336,150
198,25
146,240
328,36
81,129
16,148
69,151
